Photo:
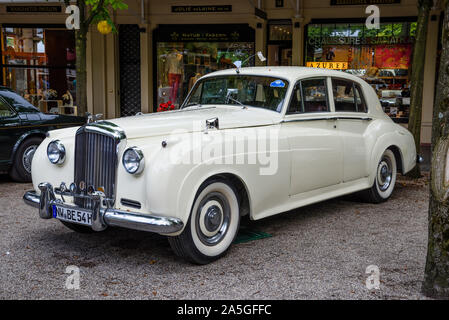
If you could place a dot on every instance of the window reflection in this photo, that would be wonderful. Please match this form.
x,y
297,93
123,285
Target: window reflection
x,y
181,64
39,64
381,56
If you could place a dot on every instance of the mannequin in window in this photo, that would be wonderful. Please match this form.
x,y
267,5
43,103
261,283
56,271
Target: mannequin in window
x,y
330,55
173,67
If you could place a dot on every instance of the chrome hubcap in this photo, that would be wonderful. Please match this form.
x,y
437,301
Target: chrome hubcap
x,y
384,174
212,218
28,157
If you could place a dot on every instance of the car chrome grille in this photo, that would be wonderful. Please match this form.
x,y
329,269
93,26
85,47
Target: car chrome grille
x,y
95,163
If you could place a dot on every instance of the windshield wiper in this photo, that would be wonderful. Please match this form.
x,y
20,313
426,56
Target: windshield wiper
x,y
234,100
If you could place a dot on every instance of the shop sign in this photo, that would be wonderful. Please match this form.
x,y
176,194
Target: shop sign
x,y
205,33
201,9
356,41
33,9
328,65
362,2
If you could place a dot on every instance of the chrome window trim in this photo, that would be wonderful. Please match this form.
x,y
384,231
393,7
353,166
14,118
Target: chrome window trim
x,y
355,86
299,82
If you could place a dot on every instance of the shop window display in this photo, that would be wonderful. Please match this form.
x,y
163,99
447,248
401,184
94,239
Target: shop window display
x,y
39,64
279,46
382,57
181,64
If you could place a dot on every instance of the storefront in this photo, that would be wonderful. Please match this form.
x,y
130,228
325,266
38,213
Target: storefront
x,y
279,42
184,53
162,48
38,62
382,57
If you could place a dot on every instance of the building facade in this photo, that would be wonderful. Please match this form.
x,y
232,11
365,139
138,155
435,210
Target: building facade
x,y
163,47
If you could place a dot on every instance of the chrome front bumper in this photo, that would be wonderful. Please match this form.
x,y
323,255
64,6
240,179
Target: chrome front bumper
x,y
102,217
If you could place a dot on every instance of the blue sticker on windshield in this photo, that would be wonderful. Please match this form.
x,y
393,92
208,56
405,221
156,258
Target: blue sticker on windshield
x,y
277,84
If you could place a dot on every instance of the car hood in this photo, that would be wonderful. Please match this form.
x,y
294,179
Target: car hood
x,y
187,120
194,119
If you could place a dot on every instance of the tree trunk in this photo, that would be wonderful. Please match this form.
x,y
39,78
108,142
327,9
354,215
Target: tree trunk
x,y
81,73
81,69
436,280
416,79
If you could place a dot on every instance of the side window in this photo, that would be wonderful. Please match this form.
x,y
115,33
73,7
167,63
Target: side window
x,y
295,105
344,97
5,110
314,95
360,100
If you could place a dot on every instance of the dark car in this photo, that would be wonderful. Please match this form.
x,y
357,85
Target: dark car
x,y
22,128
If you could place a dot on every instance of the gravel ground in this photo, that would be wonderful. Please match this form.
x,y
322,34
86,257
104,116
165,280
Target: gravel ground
x,y
316,252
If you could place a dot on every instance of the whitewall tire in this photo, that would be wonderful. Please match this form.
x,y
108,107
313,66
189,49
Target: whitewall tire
x,y
384,180
213,224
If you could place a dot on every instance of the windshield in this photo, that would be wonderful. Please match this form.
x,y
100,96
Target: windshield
x,y
247,91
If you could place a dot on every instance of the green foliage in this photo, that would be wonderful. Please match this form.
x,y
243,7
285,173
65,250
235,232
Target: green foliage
x,y
104,4
99,10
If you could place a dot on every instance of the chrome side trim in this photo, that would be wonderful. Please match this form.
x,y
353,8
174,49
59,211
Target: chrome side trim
x,y
355,118
328,118
308,119
104,217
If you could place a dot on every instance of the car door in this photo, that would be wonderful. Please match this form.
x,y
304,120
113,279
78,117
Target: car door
x,y
351,111
9,132
315,146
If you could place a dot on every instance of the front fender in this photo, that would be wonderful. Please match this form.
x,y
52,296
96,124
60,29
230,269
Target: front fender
x,y
172,175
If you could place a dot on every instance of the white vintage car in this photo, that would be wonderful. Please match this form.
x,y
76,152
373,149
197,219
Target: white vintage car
x,y
251,141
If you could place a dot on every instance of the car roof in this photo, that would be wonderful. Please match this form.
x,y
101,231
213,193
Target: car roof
x,y
287,73
5,88
292,74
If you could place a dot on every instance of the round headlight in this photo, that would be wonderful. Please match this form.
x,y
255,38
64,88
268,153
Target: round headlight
x,y
133,160
56,152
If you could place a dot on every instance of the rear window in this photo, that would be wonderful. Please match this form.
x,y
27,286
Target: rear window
x,y
348,96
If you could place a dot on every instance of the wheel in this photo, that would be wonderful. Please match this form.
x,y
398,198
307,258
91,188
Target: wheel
x,y
384,180
21,169
212,226
78,228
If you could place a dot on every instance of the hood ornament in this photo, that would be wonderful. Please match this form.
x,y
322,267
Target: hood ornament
x,y
91,118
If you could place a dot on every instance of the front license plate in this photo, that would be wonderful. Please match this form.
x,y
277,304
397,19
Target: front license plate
x,y
72,215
